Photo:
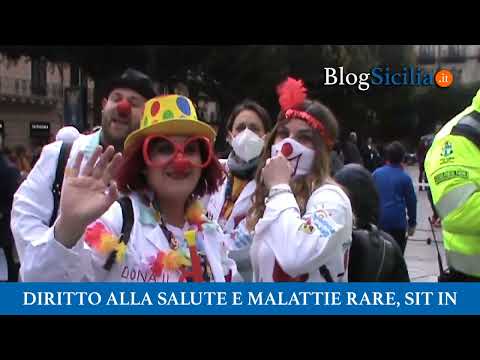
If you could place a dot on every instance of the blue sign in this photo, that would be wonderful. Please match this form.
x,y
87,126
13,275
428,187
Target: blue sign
x,y
239,299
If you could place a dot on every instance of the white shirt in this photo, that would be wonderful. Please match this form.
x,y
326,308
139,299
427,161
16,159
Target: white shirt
x,y
286,245
33,202
240,238
48,260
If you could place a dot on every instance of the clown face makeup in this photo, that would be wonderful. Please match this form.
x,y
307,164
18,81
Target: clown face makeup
x,y
160,151
300,157
121,114
174,164
298,130
295,140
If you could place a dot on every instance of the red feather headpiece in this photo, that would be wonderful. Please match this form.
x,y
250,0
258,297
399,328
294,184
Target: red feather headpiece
x,y
292,93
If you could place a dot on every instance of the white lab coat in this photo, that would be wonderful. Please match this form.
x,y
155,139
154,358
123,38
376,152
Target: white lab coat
x,y
235,226
48,260
33,202
288,244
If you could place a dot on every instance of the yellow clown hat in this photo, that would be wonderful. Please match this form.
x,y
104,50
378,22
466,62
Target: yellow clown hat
x,y
169,115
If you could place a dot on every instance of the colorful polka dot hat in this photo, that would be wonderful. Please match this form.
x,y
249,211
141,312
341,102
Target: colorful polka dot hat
x,y
169,115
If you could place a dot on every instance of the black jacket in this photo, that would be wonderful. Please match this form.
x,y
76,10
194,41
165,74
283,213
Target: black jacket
x,y
371,158
375,257
351,153
10,181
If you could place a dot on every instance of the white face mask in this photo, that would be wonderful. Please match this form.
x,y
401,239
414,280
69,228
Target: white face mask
x,y
247,145
300,157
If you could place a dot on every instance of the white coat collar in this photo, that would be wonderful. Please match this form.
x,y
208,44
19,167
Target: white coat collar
x,y
92,144
247,191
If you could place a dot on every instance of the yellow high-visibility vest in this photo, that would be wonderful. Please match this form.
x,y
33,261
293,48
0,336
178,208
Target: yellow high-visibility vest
x,y
452,166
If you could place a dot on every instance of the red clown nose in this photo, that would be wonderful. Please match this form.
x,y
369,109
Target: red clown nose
x,y
124,108
287,149
180,164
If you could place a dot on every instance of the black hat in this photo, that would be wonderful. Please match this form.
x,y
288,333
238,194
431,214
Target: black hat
x,y
135,80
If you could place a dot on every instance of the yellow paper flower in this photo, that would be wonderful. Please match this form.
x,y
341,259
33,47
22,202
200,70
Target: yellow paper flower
x,y
108,243
190,237
183,261
121,251
174,259
194,212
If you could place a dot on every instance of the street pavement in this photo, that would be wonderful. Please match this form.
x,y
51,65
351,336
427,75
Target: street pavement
x,y
420,256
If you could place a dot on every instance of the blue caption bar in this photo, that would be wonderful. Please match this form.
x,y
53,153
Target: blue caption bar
x,y
239,299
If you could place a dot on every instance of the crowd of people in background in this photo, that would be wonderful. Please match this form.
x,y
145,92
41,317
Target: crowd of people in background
x,y
367,153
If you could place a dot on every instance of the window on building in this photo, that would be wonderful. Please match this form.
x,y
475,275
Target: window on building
x,y
426,54
39,76
458,75
456,50
454,54
74,75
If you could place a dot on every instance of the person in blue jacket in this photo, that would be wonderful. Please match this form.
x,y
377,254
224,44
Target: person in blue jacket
x,y
397,196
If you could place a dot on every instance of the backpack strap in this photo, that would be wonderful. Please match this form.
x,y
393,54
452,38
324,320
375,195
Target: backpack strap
x,y
374,232
59,174
127,226
439,257
326,273
469,127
